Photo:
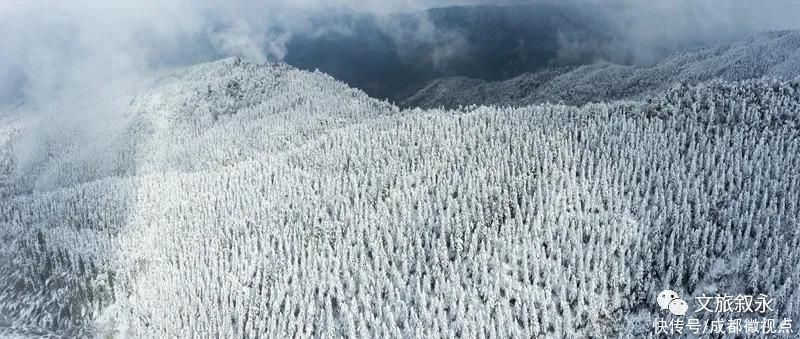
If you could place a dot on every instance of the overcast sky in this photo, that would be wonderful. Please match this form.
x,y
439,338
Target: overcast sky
x,y
54,50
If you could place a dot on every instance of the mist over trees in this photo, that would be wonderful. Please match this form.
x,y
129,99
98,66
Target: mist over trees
x,y
259,200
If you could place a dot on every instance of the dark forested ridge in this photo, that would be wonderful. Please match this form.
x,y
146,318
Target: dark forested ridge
x,y
393,56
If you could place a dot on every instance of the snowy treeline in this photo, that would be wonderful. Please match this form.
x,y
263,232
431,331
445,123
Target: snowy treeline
x,y
766,54
320,212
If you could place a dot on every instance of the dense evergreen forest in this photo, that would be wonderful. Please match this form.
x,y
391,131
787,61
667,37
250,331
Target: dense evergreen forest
x,y
243,200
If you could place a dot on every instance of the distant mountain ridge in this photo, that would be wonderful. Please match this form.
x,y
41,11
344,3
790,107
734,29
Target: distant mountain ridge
x,y
391,56
769,55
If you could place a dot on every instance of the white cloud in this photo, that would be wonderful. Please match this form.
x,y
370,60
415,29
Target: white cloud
x,y
648,28
61,49
54,50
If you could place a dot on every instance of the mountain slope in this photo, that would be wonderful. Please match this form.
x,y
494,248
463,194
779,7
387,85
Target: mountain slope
x,y
771,55
179,117
307,209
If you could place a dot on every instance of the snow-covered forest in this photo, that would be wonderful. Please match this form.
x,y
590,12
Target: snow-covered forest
x,y
764,54
251,201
